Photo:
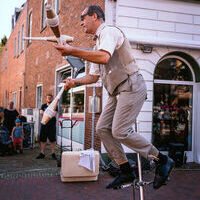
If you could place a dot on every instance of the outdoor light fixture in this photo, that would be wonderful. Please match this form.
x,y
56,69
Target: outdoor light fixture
x,y
145,48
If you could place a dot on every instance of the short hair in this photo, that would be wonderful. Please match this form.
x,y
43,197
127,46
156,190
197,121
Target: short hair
x,y
49,95
96,9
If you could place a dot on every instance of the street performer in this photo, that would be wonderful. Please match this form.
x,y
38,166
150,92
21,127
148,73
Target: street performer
x,y
114,63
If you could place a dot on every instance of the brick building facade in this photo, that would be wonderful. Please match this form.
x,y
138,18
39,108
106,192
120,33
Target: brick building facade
x,y
12,62
43,62
37,69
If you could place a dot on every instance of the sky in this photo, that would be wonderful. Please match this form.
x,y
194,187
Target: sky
x,y
7,9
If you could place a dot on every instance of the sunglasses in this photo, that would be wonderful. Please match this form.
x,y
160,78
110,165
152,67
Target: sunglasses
x,y
83,16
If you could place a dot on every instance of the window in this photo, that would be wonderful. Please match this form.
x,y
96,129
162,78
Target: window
x,y
29,27
57,6
15,48
173,104
2,66
22,36
6,97
6,60
43,17
73,100
14,98
39,96
18,44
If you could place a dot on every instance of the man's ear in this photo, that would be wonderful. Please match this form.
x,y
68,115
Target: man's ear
x,y
95,16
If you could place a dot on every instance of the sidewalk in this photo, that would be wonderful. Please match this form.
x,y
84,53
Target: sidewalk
x,y
184,185
22,177
25,165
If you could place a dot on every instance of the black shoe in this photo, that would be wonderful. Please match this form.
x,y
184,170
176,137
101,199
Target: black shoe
x,y
162,173
53,156
121,179
40,156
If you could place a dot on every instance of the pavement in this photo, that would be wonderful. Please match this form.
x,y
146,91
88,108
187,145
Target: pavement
x,y
22,177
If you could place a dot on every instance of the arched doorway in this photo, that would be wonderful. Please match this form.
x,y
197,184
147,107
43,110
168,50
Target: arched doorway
x,y
173,103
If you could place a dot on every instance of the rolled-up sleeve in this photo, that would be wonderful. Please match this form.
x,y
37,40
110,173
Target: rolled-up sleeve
x,y
111,38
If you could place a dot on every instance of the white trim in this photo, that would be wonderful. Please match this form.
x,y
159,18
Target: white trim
x,y
169,42
182,59
173,82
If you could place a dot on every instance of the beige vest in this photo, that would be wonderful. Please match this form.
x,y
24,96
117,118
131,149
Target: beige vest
x,y
120,66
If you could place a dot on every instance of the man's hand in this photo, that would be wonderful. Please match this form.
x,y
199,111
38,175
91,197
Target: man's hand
x,y
65,49
69,83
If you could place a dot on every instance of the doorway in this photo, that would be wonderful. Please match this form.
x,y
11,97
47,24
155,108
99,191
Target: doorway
x,y
173,104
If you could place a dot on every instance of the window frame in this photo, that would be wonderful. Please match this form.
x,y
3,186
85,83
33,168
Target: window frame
x,y
43,16
22,35
15,47
18,44
29,33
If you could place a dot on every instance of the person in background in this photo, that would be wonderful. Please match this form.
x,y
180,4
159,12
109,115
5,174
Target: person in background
x,y
21,117
17,136
10,116
47,131
5,140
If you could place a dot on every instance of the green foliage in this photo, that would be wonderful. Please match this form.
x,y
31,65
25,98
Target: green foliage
x,y
4,41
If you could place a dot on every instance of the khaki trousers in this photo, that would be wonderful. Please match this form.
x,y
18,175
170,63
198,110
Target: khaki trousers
x,y
114,126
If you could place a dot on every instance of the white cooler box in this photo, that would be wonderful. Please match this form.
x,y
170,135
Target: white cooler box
x,y
71,171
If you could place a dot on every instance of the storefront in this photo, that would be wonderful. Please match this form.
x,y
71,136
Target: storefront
x,y
175,103
71,106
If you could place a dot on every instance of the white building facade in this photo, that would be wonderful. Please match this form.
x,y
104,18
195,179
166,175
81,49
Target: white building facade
x,y
165,37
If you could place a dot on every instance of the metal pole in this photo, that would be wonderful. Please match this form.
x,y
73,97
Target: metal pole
x,y
139,170
71,108
93,116
140,177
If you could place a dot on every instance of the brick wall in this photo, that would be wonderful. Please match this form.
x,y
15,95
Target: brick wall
x,y
42,59
12,74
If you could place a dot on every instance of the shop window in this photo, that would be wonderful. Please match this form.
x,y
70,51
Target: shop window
x,y
173,103
73,100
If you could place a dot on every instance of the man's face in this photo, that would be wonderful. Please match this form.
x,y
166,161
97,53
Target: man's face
x,y
87,22
49,99
11,105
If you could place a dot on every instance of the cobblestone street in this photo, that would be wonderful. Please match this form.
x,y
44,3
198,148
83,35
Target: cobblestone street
x,y
22,177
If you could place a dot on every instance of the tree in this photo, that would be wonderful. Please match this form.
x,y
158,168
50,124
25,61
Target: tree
x,y
4,40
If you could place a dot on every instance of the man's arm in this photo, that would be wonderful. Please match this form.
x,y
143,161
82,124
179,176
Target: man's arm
x,y
87,79
99,56
41,112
